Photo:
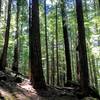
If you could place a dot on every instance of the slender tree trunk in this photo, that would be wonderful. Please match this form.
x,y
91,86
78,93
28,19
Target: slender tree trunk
x,y
87,38
52,63
16,49
72,54
6,6
96,14
78,66
91,71
57,59
46,41
84,79
30,31
37,77
3,59
94,70
66,41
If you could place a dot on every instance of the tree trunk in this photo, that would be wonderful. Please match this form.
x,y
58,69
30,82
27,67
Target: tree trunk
x,y
30,31
95,72
57,59
5,13
37,77
96,14
91,71
46,41
84,76
66,41
78,66
3,59
16,50
52,64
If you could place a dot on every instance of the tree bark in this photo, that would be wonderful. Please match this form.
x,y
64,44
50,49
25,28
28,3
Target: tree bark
x,y
37,77
16,49
66,41
84,76
52,63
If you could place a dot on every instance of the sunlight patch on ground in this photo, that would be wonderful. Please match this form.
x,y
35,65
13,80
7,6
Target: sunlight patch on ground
x,y
26,85
6,94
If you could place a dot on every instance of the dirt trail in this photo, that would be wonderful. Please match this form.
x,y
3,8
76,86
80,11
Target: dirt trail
x,y
24,91
11,89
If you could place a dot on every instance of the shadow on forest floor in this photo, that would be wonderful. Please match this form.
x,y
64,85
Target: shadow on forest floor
x,y
12,90
24,91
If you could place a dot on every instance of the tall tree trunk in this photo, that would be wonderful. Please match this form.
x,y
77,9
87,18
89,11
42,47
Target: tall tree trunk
x,y
30,31
16,50
66,41
94,70
46,41
57,59
72,53
84,79
37,77
91,71
52,63
96,14
3,59
6,6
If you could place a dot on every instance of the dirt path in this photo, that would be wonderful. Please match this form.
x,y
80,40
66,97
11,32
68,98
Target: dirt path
x,y
24,91
10,89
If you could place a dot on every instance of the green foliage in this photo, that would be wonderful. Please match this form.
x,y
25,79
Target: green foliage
x,y
92,28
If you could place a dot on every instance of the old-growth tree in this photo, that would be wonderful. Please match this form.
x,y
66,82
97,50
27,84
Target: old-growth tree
x,y
84,76
66,41
16,49
37,77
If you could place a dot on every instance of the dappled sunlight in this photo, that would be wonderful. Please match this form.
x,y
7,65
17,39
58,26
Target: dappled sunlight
x,y
27,86
22,91
49,49
4,93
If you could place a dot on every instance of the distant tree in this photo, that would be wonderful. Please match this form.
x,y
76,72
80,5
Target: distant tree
x,y
57,63
16,49
37,77
46,42
3,59
94,71
66,41
84,76
52,63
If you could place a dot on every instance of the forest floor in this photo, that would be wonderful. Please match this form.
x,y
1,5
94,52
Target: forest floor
x,y
12,88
